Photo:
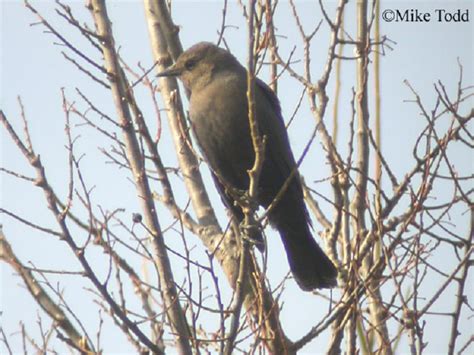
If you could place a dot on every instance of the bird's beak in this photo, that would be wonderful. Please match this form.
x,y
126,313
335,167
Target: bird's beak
x,y
171,71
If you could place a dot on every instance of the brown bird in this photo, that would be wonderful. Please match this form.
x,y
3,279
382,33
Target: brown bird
x,y
218,112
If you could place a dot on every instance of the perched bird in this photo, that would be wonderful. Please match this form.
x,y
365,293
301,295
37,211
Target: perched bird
x,y
218,112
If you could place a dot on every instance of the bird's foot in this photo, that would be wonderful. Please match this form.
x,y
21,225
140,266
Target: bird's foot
x,y
252,233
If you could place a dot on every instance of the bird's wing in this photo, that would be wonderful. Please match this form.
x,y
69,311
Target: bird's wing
x,y
279,160
271,97
273,125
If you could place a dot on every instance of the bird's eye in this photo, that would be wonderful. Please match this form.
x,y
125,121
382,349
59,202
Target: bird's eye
x,y
190,64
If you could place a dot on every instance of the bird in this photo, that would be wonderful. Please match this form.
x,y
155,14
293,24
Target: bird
x,y
218,112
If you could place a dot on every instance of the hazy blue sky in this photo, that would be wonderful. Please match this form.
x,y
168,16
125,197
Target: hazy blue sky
x,y
33,67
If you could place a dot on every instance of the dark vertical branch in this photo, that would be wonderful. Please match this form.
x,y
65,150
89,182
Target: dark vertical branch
x,y
248,207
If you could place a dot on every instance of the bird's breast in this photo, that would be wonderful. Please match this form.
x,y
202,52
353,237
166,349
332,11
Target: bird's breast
x,y
219,117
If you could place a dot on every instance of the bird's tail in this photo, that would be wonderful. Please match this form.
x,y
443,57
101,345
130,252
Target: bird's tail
x,y
309,264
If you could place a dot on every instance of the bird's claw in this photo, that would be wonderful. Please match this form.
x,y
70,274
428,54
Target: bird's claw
x,y
252,233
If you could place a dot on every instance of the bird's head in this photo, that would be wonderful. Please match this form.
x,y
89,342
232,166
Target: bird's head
x,y
197,65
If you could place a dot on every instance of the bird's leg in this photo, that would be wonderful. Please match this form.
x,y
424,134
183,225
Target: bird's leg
x,y
251,229
252,233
